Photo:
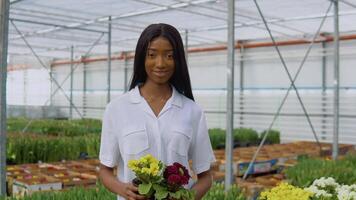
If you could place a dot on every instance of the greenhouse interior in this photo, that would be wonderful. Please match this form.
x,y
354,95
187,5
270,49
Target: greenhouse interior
x,y
275,81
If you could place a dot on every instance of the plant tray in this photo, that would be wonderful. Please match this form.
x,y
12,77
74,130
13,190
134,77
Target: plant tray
x,y
28,185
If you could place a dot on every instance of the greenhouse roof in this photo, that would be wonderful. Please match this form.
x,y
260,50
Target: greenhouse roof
x,y
52,27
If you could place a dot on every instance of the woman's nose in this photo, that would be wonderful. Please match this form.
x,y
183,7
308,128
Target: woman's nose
x,y
159,61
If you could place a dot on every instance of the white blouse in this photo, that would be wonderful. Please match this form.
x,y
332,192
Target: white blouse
x,y
131,130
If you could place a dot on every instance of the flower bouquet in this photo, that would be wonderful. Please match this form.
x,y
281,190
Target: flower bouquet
x,y
158,181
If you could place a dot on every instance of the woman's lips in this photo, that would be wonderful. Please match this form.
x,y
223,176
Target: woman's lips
x,y
160,73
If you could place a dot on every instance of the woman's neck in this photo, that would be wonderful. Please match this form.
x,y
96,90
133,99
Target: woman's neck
x,y
155,90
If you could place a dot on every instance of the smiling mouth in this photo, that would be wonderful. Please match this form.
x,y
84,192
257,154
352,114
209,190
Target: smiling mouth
x,y
160,73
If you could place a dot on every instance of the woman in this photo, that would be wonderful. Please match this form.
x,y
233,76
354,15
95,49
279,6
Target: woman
x,y
158,116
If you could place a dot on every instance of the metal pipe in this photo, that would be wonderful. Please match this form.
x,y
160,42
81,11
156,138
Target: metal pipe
x,y
84,89
186,45
109,61
336,81
219,48
4,28
71,81
323,93
126,63
55,25
323,67
230,95
241,99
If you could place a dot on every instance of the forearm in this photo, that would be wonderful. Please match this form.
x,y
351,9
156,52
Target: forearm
x,y
203,184
108,179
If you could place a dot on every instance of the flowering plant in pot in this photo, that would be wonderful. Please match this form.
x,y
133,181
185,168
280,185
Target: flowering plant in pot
x,y
158,181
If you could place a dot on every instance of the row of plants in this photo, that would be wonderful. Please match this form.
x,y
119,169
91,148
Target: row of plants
x,y
100,192
317,179
217,192
79,193
55,127
309,169
243,137
31,148
324,188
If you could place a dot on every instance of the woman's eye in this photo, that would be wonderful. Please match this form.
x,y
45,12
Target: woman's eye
x,y
170,56
151,55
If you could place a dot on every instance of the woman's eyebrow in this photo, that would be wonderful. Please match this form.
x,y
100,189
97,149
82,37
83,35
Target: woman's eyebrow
x,y
153,49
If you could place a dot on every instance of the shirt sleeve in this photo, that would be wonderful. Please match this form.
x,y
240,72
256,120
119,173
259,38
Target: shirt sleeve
x,y
109,147
201,151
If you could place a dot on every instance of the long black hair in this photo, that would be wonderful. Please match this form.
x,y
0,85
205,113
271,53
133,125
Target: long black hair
x,y
180,78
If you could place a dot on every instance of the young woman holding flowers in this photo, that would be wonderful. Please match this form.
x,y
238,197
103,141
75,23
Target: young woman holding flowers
x,y
158,116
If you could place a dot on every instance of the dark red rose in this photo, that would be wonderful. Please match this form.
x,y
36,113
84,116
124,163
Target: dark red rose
x,y
169,171
178,165
184,180
176,174
174,179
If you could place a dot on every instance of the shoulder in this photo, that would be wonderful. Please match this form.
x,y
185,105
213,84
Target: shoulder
x,y
192,106
118,103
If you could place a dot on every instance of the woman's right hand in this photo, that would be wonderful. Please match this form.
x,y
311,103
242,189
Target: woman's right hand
x,y
130,192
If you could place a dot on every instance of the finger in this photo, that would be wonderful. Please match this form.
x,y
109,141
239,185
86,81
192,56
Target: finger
x,y
133,188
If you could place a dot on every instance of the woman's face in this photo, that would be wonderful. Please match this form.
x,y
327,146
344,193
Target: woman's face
x,y
159,62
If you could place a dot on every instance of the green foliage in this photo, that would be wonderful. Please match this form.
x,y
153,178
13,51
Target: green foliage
x,y
26,148
307,170
245,134
273,137
55,127
97,193
217,137
217,192
242,136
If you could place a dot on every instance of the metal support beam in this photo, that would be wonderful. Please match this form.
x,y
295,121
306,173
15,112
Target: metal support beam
x,y
84,89
292,85
71,81
186,45
55,25
241,99
230,95
126,68
323,67
335,152
51,86
242,52
323,95
4,28
109,61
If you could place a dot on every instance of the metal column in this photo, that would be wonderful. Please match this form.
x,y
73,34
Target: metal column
x,y
126,63
84,88
71,81
230,94
241,99
336,81
186,45
4,28
323,94
109,61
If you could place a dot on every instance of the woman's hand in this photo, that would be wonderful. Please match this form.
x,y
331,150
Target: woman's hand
x,y
130,192
126,190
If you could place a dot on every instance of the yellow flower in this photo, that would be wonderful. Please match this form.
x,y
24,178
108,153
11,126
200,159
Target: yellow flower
x,y
286,191
146,166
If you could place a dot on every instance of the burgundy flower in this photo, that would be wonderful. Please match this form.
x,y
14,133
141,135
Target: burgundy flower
x,y
178,165
176,174
170,170
184,180
174,179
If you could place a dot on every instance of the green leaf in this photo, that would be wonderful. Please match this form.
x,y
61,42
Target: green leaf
x,y
161,194
176,195
144,188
